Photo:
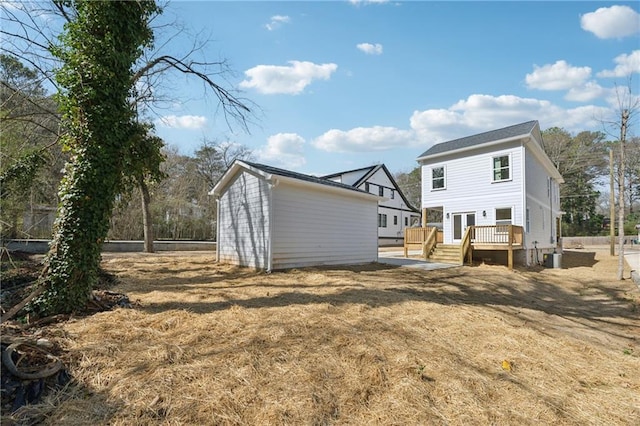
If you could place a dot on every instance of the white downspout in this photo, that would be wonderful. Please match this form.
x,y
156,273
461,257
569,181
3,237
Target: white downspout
x,y
524,207
272,184
217,229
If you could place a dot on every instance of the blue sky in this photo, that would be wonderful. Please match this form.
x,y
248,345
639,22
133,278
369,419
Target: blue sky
x,y
340,85
343,85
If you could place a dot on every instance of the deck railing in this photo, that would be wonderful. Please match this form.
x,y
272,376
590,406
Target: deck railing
x,y
497,234
416,237
496,237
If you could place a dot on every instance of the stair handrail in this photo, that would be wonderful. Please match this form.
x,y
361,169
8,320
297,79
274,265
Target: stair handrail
x,y
430,242
465,244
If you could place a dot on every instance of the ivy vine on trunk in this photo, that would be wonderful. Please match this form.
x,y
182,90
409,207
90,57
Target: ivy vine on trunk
x,y
98,49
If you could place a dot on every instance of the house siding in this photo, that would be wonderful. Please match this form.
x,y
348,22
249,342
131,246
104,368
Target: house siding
x,y
542,196
243,216
395,208
469,187
317,228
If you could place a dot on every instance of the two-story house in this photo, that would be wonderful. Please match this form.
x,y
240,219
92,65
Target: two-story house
x,y
395,213
501,187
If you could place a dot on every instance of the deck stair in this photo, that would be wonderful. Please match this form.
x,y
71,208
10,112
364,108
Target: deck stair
x,y
446,253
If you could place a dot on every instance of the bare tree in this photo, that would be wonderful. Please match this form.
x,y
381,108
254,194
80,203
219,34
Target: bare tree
x,y
95,174
628,106
31,30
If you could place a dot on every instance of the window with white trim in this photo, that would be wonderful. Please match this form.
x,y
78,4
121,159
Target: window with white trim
x,y
437,178
503,216
382,220
501,168
381,191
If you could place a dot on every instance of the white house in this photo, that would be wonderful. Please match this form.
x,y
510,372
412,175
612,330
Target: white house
x,y
395,213
270,218
489,180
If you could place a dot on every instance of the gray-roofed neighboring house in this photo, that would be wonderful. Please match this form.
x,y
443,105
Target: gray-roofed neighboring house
x,y
395,212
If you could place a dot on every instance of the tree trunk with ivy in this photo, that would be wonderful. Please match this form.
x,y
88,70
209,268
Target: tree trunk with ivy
x,y
100,45
147,221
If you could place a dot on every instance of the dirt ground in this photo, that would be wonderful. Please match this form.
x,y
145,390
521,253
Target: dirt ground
x,y
374,344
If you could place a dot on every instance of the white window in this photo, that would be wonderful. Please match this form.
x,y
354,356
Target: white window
x,y
381,191
395,220
382,220
501,168
437,178
503,216
528,223
393,194
406,221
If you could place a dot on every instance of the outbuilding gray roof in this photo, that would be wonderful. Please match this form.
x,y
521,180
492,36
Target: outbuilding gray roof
x,y
301,176
521,129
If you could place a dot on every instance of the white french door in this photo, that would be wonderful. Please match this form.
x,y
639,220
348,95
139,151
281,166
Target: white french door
x,y
461,221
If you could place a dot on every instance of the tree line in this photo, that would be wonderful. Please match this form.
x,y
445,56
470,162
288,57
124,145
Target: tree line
x,y
180,207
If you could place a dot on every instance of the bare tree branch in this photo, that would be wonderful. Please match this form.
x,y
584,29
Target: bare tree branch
x,y
231,105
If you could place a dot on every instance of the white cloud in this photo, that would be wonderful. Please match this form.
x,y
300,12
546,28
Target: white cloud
x,y
586,92
626,65
284,149
480,113
292,79
370,49
361,139
190,122
366,2
559,76
277,21
611,22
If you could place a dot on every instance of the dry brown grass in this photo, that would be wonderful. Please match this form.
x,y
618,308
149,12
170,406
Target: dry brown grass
x,y
215,344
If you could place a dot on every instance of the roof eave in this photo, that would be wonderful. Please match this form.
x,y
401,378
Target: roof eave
x,y
231,172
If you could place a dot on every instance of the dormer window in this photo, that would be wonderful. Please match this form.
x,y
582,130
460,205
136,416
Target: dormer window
x,y
501,168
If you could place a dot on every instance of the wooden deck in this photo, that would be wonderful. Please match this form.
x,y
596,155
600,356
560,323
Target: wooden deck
x,y
497,238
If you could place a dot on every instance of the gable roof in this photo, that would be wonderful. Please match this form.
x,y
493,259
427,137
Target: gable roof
x,y
510,132
268,172
363,170
367,173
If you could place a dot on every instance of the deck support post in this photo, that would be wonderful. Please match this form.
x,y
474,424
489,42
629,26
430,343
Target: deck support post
x,y
510,257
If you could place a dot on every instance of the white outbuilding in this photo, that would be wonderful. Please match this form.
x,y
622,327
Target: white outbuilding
x,y
270,218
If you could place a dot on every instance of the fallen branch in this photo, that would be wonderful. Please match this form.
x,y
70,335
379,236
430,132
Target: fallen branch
x,y
13,311
47,320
